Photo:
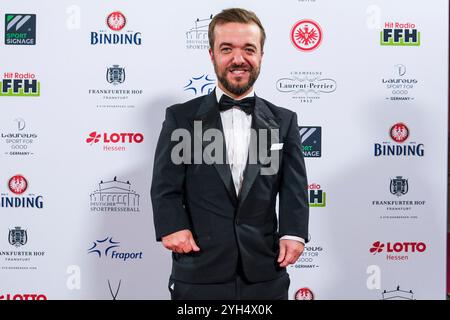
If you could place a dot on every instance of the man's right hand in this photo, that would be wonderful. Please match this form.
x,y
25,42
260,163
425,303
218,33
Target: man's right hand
x,y
180,242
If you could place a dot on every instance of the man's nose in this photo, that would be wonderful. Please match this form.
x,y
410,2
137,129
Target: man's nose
x,y
238,57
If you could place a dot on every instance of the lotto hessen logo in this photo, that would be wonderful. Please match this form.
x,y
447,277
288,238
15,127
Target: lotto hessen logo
x,y
399,133
20,29
378,247
110,140
398,251
20,85
399,34
23,296
306,35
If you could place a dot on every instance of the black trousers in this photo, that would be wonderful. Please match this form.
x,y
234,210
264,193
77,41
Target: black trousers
x,y
237,289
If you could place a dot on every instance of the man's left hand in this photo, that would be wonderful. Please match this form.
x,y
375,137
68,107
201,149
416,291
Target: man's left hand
x,y
290,251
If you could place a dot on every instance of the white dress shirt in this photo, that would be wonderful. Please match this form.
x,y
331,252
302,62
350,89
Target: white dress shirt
x,y
236,128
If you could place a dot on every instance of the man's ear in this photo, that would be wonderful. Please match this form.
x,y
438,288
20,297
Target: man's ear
x,y
211,54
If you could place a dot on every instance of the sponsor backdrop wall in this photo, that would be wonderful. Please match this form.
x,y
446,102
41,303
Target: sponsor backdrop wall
x,y
83,90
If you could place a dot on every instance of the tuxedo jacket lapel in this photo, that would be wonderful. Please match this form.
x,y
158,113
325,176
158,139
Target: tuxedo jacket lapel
x,y
262,118
209,115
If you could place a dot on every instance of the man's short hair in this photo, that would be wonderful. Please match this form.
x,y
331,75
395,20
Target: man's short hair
x,y
235,15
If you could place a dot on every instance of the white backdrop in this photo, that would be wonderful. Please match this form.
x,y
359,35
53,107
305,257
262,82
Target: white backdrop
x,y
95,193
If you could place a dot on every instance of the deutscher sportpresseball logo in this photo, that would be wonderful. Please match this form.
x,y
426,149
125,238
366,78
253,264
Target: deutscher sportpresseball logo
x,y
20,29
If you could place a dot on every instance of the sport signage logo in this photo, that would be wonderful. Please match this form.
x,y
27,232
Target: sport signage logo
x,y
20,29
311,141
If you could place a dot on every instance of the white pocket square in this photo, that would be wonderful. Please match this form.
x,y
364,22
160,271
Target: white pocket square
x,y
276,146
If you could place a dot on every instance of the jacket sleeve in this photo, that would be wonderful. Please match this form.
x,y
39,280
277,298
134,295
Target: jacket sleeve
x,y
293,192
167,194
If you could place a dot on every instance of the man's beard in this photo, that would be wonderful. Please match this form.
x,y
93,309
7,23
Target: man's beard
x,y
237,90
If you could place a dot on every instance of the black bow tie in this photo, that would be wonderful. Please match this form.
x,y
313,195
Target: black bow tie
x,y
247,105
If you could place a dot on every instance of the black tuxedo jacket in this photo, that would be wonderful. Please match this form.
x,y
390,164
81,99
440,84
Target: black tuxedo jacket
x,y
229,229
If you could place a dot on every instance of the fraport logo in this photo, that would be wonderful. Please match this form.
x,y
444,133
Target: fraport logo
x,y
201,85
107,249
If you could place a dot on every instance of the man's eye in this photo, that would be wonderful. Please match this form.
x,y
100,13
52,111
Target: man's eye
x,y
225,50
250,50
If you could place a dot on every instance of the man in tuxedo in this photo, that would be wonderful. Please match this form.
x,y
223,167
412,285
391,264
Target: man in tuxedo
x,y
219,217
